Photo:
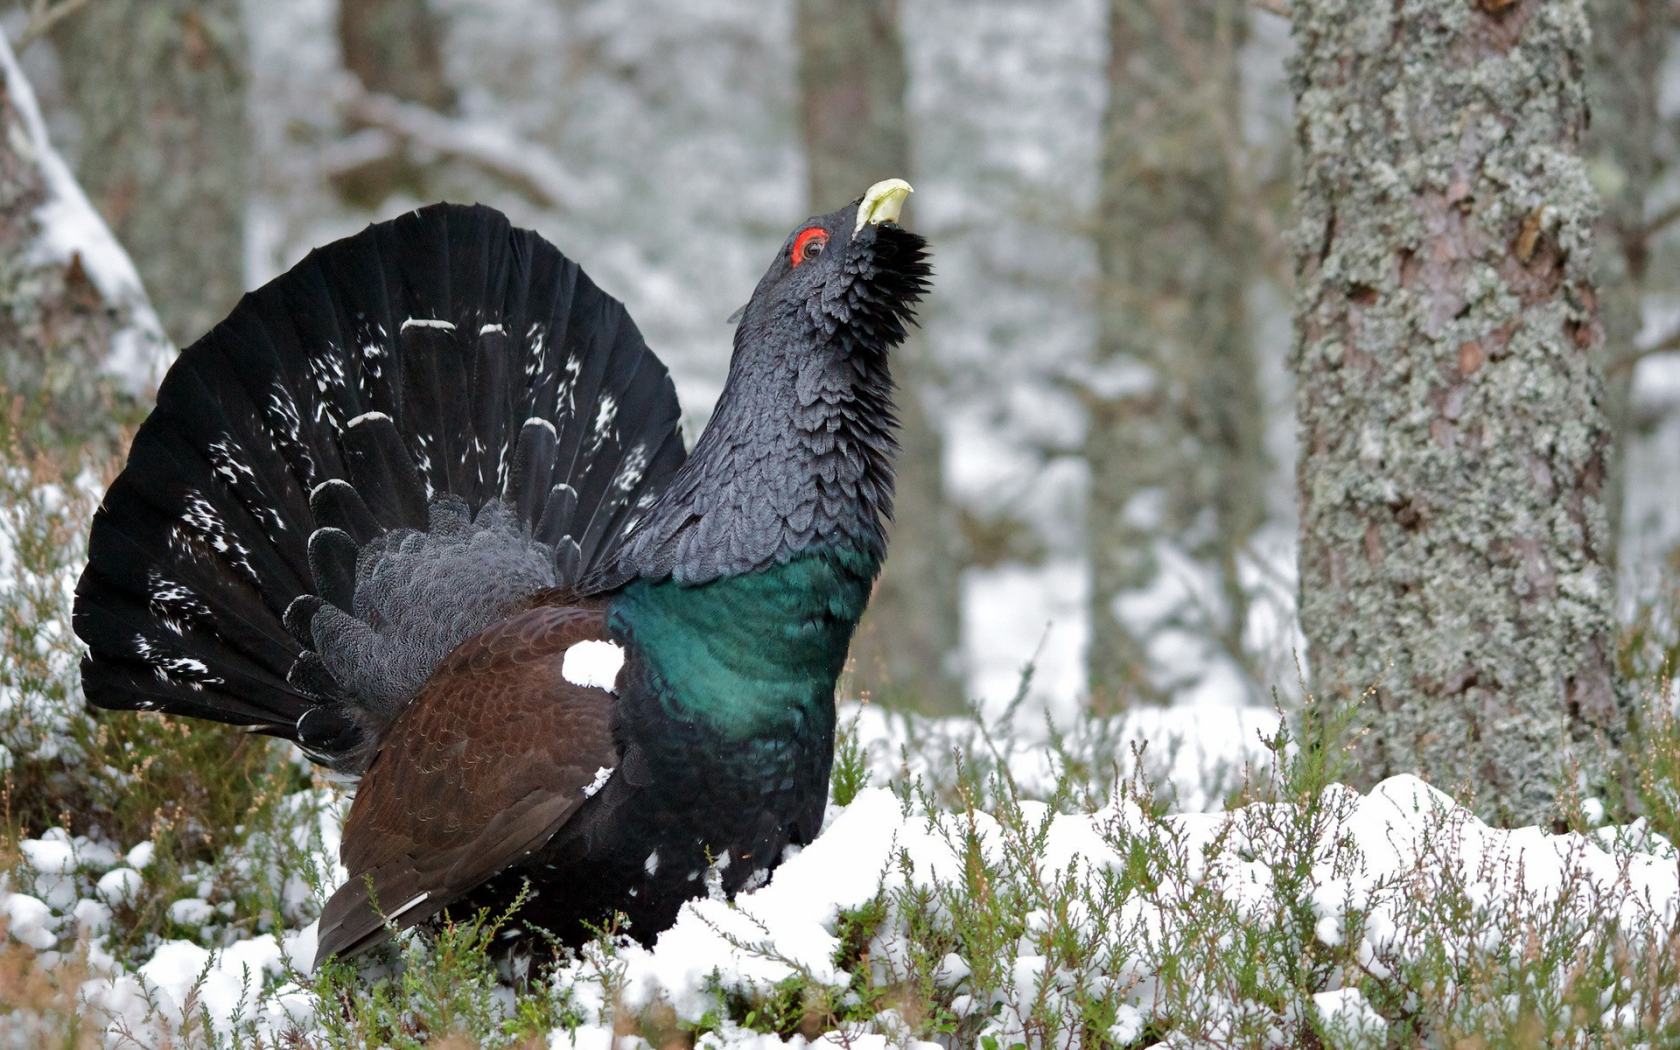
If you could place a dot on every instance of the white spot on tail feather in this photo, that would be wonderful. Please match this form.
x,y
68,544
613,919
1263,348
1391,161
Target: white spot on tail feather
x,y
236,475
286,424
536,360
225,461
593,663
202,522
634,466
565,388
543,423
427,322
487,329
606,411
368,417
651,865
328,372
173,605
193,674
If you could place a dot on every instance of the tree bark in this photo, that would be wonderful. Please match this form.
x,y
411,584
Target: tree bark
x,y
1452,429
394,47
1630,41
1175,418
852,80
69,304
159,88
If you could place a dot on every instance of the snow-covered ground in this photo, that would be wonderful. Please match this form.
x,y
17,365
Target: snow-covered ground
x,y
1387,869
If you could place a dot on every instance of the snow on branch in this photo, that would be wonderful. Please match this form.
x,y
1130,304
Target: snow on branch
x,y
71,234
392,125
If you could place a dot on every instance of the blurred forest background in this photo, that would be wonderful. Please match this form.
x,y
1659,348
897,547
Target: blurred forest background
x,y
1100,442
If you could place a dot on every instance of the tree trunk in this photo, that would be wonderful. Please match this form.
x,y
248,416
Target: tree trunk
x,y
159,88
394,47
1174,440
81,346
1453,435
852,80
1629,44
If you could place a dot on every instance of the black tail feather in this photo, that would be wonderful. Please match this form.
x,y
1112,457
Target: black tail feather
x,y
382,472
441,356
336,503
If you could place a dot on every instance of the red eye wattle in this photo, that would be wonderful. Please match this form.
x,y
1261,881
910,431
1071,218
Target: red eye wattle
x,y
809,244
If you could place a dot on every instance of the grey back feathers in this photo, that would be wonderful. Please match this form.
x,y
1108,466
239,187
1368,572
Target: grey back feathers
x,y
417,595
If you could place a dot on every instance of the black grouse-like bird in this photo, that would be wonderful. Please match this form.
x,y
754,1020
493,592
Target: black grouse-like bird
x,y
422,506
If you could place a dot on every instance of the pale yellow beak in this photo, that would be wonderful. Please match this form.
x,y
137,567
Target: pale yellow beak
x,y
882,203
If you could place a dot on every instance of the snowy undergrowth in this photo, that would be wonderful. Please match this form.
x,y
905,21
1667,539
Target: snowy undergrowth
x,y
977,884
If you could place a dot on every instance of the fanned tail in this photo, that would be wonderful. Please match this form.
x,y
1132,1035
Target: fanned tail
x,y
367,461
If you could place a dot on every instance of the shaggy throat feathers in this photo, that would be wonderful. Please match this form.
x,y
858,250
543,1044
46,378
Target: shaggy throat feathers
x,y
797,457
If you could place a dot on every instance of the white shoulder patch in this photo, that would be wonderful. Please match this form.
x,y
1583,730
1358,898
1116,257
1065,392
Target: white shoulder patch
x,y
593,663
600,782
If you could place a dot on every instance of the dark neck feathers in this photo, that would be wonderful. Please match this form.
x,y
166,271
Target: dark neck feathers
x,y
797,457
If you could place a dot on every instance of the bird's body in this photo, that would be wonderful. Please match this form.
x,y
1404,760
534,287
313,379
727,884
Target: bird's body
x,y
353,523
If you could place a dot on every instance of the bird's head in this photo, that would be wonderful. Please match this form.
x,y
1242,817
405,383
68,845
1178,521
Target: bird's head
x,y
846,282
798,452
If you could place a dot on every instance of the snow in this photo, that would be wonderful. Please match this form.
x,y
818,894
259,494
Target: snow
x,y
1018,615
1194,752
1370,852
29,920
788,928
191,911
52,856
72,229
141,856
1349,1016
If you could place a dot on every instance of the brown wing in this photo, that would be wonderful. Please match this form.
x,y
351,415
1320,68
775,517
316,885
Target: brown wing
x,y
480,769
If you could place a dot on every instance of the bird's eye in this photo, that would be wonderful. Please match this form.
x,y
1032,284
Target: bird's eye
x,y
809,244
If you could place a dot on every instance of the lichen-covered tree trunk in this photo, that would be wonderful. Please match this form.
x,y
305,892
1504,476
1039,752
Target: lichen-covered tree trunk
x,y
852,79
79,345
1452,427
1174,438
159,89
1630,42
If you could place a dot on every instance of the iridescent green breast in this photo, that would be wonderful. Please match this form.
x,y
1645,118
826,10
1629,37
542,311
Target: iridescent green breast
x,y
747,654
